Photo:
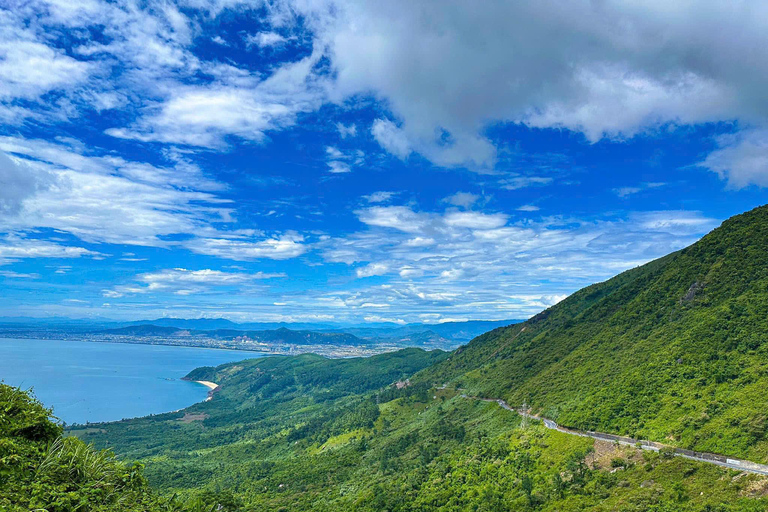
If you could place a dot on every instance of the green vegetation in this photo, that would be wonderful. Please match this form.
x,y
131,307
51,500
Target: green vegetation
x,y
673,351
43,471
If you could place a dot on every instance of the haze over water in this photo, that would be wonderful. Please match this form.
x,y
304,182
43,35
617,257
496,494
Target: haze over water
x,y
92,382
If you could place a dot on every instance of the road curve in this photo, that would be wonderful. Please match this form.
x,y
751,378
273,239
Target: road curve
x,y
709,458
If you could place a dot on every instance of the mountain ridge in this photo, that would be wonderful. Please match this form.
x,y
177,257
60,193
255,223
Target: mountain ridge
x,y
623,355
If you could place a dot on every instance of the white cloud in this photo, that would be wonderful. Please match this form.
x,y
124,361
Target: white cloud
x,y
479,264
374,269
419,242
181,281
445,70
391,138
628,191
205,115
340,162
528,208
614,69
18,182
475,220
345,131
742,158
29,69
265,39
14,247
338,167
519,182
380,197
107,199
462,199
280,248
9,274
397,217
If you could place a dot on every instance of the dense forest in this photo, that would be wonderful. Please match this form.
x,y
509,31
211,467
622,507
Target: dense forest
x,y
672,351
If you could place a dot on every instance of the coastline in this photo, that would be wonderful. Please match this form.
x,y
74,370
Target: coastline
x,y
210,385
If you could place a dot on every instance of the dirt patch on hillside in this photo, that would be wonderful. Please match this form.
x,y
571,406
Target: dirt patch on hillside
x,y
190,417
606,451
757,488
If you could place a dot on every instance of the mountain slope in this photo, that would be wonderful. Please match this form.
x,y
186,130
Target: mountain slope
x,y
675,350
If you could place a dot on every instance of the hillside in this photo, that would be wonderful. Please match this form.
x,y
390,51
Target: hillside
x,y
41,470
673,351
309,433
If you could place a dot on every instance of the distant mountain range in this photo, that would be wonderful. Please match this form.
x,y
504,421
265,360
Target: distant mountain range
x,y
281,335
450,332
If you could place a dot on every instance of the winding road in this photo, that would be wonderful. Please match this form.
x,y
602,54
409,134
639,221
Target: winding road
x,y
709,458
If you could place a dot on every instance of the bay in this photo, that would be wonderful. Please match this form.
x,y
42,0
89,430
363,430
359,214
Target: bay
x,y
93,382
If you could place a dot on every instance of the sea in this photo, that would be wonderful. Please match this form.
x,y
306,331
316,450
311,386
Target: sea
x,y
93,382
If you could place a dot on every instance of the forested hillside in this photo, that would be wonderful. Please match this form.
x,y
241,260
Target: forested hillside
x,y
309,433
675,351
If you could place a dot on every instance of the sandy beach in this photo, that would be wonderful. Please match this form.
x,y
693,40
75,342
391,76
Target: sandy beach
x,y
210,385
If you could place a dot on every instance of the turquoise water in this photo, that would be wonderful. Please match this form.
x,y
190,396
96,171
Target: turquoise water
x,y
86,381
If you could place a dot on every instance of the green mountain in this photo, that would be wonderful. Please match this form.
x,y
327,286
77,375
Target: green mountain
x,y
674,351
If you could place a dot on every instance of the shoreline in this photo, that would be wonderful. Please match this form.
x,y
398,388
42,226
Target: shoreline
x,y
210,385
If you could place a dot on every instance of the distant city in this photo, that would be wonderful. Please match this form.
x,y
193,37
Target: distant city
x,y
271,338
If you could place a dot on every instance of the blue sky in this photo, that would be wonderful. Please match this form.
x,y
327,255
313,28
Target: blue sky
x,y
363,161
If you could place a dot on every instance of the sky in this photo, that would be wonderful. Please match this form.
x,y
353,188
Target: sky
x,y
360,162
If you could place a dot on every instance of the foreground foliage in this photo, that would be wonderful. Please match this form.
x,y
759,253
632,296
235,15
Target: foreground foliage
x,y
41,470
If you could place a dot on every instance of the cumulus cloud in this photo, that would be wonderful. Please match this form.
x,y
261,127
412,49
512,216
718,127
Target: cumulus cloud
x,y
518,182
475,220
446,71
29,69
279,248
206,115
401,218
265,39
462,199
107,199
485,265
181,281
741,158
374,269
340,162
9,274
346,130
614,68
391,138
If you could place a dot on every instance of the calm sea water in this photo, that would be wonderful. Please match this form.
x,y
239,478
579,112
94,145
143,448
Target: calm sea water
x,y
86,381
